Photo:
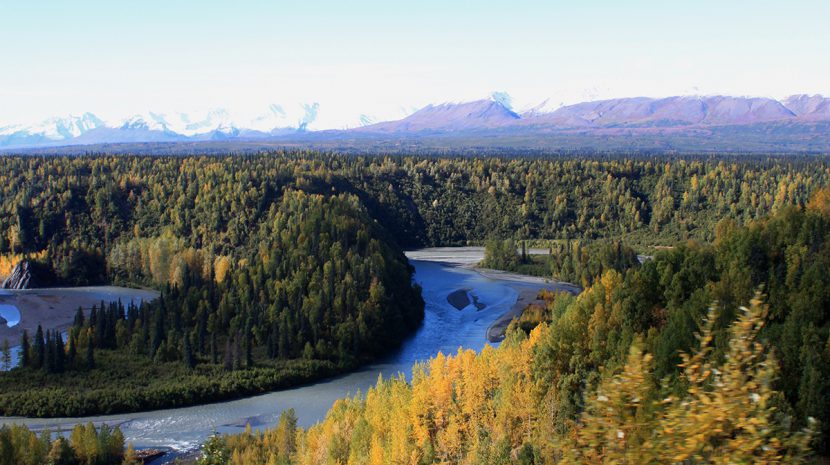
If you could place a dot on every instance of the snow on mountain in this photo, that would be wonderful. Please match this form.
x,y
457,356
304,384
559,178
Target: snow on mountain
x,y
548,105
142,123
495,112
49,130
366,120
275,117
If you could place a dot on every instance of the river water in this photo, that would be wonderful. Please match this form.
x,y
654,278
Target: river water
x,y
445,329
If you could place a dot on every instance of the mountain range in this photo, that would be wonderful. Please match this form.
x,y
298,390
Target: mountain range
x,y
776,124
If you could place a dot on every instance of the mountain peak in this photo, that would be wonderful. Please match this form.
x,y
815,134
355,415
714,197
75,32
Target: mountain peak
x,y
636,115
478,114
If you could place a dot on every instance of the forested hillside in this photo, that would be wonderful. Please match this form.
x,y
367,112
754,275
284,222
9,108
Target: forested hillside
x,y
280,268
263,284
659,363
79,206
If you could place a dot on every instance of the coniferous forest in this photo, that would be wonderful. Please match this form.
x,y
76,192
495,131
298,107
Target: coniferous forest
x,y
709,353
280,268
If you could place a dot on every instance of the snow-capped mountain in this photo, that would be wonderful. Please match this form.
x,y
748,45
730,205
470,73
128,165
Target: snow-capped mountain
x,y
54,129
152,126
798,114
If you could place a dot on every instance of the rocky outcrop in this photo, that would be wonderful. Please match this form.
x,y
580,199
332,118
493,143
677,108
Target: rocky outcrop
x,y
20,277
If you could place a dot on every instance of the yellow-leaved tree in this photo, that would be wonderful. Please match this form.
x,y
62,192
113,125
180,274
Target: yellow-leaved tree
x,y
726,416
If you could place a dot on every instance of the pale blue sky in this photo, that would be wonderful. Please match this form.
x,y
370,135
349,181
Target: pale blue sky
x,y
382,59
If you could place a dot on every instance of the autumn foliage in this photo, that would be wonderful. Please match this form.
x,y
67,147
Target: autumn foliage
x,y
489,408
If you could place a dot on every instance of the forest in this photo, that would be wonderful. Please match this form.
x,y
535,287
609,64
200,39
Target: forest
x,y
296,286
79,208
709,353
86,445
279,268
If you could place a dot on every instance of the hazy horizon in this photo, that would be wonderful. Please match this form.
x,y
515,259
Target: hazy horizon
x,y
376,61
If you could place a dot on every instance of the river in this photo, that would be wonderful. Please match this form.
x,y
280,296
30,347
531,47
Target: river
x,y
445,329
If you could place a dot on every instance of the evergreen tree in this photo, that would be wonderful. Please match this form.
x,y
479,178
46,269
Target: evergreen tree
x,y
158,330
249,345
60,354
90,354
237,353
214,350
93,317
79,318
49,350
24,357
228,355
101,328
72,351
7,355
39,348
187,352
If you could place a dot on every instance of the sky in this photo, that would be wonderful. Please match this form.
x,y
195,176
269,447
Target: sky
x,y
383,59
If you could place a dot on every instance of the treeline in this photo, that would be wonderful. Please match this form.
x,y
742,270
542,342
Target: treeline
x,y
87,445
79,207
603,378
578,262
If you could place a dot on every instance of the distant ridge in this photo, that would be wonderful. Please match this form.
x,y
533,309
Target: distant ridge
x,y
479,114
799,122
637,112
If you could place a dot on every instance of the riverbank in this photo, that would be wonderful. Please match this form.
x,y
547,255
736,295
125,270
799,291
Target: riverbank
x,y
444,329
54,308
528,288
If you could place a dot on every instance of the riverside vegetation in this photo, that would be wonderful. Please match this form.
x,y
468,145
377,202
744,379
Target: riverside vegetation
x,y
640,368
279,268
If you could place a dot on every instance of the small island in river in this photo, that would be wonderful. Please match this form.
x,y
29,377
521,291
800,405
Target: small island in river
x,y
462,298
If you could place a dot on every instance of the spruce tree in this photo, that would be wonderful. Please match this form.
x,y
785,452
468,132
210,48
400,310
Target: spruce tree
x,y
39,348
79,318
90,354
228,354
49,350
187,352
237,353
101,328
60,355
158,331
214,350
249,343
24,359
72,351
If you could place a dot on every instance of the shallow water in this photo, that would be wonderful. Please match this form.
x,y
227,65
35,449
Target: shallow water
x,y
10,313
445,329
